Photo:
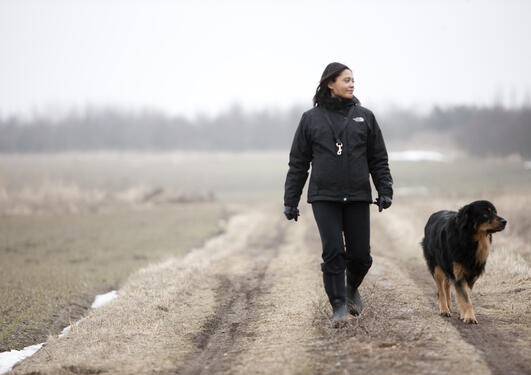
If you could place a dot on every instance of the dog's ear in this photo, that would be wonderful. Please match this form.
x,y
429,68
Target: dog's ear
x,y
463,217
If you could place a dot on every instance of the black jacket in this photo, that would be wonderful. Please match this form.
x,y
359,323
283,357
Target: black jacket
x,y
338,177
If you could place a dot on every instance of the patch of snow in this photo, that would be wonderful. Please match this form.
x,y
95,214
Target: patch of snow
x,y
102,299
418,155
9,359
65,330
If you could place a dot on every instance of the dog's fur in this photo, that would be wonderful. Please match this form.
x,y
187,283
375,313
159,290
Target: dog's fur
x,y
456,246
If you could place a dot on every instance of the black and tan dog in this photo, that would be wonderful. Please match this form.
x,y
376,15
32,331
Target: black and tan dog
x,y
456,246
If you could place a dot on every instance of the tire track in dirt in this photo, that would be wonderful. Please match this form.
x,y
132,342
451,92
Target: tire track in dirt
x,y
223,335
263,320
497,340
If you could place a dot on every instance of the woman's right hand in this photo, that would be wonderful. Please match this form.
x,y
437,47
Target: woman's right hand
x,y
291,212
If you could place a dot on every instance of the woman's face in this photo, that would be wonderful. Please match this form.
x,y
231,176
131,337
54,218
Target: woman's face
x,y
343,86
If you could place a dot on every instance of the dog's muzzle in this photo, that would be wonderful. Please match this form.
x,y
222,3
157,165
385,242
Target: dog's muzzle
x,y
501,225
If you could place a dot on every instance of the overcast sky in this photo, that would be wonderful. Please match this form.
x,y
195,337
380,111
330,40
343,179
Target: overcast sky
x,y
202,56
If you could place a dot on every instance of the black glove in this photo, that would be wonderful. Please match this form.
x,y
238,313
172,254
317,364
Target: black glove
x,y
383,202
291,212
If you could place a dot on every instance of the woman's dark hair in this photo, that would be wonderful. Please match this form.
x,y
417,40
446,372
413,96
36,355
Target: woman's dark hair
x,y
330,74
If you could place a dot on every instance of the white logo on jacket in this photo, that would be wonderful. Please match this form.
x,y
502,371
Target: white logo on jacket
x,y
359,119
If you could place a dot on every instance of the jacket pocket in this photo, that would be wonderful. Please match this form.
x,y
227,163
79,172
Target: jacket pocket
x,y
358,176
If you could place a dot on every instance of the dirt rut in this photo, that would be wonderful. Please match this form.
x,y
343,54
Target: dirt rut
x,y
224,334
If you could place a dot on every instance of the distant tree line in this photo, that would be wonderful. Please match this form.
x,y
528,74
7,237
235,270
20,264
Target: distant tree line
x,y
119,130
481,131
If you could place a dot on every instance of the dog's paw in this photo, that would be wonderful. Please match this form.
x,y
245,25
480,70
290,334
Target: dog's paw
x,y
445,313
470,320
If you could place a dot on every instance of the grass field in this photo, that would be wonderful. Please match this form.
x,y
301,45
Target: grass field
x,y
52,266
62,242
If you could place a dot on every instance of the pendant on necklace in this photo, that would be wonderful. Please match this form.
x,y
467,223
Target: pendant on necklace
x,y
339,148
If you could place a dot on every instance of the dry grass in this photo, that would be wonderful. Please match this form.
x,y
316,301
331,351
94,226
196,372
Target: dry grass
x,y
371,324
62,198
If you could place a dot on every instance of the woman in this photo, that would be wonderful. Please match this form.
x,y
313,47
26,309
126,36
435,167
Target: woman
x,y
344,144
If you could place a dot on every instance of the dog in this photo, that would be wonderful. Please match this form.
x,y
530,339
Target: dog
x,y
456,246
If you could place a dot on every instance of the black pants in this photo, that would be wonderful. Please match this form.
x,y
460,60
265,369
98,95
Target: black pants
x,y
351,219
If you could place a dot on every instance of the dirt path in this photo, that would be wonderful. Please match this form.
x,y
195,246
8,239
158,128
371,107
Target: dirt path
x,y
251,301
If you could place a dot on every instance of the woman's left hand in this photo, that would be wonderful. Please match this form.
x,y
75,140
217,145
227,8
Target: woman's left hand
x,y
383,203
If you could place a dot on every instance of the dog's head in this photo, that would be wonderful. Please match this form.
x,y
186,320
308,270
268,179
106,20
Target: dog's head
x,y
480,216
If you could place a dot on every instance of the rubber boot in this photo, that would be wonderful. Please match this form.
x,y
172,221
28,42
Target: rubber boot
x,y
353,298
335,289
340,314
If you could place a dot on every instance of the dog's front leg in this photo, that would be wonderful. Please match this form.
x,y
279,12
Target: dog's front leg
x,y
466,311
444,295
